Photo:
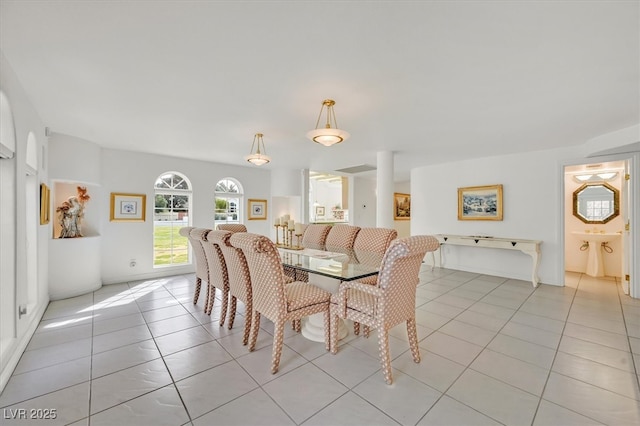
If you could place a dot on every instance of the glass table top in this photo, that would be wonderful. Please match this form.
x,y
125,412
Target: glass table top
x,y
346,266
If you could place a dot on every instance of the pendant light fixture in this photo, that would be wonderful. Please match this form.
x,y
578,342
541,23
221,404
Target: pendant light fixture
x,y
329,134
258,158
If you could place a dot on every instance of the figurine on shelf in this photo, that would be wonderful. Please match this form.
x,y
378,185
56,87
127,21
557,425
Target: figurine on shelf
x,y
71,212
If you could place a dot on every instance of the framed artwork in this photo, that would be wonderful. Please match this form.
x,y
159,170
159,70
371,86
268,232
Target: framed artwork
x,y
480,203
45,204
401,206
128,207
319,211
257,209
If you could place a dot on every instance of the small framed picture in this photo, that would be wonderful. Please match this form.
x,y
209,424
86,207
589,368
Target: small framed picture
x,y
480,203
45,204
128,207
257,209
401,206
319,211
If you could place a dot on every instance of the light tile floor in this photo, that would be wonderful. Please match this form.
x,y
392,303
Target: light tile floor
x,y
494,351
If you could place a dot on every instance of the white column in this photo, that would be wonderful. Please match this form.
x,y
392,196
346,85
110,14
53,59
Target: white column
x,y
304,201
384,176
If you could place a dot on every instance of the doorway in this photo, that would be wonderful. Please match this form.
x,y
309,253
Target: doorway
x,y
598,208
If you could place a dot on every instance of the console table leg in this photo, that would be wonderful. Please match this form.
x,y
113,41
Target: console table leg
x,y
535,257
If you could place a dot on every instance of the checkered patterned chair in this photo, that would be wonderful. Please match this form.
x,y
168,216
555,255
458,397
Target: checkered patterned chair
x,y
274,299
239,279
195,236
388,303
342,236
373,241
233,227
218,276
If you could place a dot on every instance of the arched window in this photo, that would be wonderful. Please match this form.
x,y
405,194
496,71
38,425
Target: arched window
x,y
228,200
172,211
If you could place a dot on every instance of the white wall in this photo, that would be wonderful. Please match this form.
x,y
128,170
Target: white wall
x,y
13,246
532,184
130,172
364,203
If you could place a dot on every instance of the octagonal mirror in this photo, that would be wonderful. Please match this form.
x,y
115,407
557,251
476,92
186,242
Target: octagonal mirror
x,y
596,203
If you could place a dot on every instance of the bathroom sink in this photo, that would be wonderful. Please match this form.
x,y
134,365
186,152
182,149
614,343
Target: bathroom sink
x,y
595,264
597,237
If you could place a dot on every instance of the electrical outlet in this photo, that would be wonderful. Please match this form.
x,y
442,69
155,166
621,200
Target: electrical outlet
x,y
132,263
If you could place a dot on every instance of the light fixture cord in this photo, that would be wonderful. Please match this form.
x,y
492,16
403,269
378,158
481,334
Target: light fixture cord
x,y
264,149
320,115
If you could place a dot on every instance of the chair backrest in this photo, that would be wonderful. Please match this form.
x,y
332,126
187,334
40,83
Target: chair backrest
x,y
342,236
233,227
399,274
195,236
218,275
315,235
265,269
374,239
237,268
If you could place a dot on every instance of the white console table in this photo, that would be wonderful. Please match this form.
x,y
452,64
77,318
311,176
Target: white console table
x,y
530,247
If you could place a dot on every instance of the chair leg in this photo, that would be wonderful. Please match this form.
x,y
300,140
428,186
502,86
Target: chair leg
x,y
327,330
211,295
248,314
196,295
366,330
278,337
255,326
333,329
413,339
232,312
225,304
385,358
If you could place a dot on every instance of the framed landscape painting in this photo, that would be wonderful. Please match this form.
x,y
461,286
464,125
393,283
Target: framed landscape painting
x,y
480,203
401,206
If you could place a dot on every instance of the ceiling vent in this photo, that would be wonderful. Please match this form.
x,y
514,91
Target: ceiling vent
x,y
357,169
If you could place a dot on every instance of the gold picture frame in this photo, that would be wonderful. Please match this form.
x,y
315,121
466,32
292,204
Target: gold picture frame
x,y
45,204
480,203
128,207
257,209
401,206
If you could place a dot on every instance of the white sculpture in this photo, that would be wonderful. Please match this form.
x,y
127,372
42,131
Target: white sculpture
x,y
70,214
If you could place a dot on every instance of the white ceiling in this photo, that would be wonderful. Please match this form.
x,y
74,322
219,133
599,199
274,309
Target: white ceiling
x,y
433,81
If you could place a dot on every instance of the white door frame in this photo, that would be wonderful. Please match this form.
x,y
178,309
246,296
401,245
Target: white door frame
x,y
633,248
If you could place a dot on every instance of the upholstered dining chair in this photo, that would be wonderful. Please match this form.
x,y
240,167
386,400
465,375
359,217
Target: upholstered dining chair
x,y
315,236
390,302
239,279
195,236
342,236
274,299
233,227
218,276
373,241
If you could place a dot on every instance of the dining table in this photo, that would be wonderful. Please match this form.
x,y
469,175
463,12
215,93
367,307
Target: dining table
x,y
326,268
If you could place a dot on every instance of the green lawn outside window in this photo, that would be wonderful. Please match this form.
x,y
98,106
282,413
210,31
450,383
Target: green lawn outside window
x,y
169,247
